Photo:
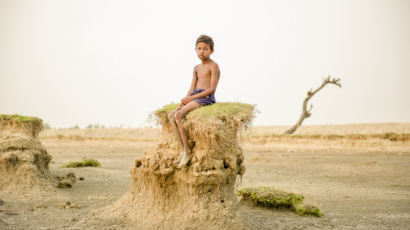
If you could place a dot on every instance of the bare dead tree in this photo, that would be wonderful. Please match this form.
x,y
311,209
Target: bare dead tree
x,y
306,112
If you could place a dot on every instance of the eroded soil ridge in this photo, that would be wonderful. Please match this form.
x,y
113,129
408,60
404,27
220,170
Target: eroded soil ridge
x,y
201,195
24,161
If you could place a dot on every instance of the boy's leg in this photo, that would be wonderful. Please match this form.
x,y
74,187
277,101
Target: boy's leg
x,y
174,127
179,115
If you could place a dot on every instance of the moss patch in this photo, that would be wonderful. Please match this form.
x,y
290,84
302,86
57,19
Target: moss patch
x,y
210,126
85,162
270,197
220,111
20,118
30,125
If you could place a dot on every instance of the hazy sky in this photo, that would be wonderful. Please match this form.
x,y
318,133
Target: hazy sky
x,y
114,62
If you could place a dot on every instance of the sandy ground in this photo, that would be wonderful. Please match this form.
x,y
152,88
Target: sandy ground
x,y
357,183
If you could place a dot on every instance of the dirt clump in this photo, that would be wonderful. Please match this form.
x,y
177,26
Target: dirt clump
x,y
66,181
68,205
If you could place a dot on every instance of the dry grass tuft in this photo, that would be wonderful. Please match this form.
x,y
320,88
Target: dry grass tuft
x,y
270,197
85,162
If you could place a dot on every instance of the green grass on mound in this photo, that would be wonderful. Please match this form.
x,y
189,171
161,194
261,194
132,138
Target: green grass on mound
x,y
85,162
270,197
223,111
20,118
210,125
217,110
30,125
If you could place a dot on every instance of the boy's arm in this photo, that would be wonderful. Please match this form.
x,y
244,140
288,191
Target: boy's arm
x,y
193,83
212,88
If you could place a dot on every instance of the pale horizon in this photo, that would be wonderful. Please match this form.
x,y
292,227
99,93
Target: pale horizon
x,y
114,62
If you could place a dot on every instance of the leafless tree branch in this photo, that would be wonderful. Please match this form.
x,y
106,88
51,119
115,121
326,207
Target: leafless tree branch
x,y
306,112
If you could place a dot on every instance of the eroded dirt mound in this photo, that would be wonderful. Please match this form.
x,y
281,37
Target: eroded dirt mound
x,y
201,195
24,161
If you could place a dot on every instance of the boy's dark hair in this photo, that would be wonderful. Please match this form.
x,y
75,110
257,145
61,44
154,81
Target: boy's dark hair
x,y
205,39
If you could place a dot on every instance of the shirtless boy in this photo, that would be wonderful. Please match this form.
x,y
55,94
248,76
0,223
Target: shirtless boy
x,y
203,86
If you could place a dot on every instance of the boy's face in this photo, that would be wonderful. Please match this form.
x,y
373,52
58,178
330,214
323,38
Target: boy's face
x,y
203,51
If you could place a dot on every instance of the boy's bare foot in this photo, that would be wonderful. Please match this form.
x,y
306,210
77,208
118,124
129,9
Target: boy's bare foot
x,y
185,160
179,157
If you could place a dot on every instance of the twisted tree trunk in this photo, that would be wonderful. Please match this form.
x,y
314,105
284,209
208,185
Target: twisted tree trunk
x,y
306,112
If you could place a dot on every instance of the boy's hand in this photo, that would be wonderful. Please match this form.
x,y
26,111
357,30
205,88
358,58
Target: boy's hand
x,y
186,100
180,106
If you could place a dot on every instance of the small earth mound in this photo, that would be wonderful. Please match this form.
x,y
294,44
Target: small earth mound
x,y
24,161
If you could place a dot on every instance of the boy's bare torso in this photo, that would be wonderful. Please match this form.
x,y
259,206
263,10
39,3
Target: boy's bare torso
x,y
203,73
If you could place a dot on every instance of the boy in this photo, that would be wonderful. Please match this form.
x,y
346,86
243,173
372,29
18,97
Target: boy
x,y
203,86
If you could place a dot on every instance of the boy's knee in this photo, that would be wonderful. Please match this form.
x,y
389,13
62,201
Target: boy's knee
x,y
171,115
178,116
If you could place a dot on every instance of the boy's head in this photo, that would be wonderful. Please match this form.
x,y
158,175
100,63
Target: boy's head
x,y
204,47
207,40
